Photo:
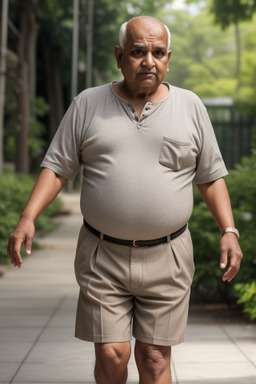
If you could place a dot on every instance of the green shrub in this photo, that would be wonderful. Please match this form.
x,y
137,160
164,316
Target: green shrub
x,y
242,186
207,284
242,189
14,193
247,297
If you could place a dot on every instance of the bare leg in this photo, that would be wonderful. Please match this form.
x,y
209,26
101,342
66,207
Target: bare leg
x,y
111,362
153,363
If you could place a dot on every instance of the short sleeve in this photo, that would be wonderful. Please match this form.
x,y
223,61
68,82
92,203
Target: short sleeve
x,y
210,164
63,156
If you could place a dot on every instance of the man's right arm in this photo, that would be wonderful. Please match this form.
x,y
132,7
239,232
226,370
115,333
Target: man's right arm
x,y
47,187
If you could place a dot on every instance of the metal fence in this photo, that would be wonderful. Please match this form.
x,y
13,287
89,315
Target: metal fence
x,y
233,129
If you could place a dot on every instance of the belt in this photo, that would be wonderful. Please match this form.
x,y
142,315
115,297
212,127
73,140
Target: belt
x,y
135,243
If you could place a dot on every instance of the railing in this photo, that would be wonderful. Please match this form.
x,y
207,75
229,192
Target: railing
x,y
233,128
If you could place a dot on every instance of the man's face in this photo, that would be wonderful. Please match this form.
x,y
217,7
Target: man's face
x,y
145,57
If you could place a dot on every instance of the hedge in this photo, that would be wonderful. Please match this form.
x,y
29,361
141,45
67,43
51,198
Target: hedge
x,y
14,193
241,184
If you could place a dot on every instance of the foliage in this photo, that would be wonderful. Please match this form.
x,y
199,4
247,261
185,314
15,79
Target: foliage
x,y
242,187
247,297
204,58
241,184
56,25
37,144
205,249
14,193
207,284
247,77
10,108
230,12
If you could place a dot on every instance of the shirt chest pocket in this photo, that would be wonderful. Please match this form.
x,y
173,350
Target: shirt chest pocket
x,y
176,154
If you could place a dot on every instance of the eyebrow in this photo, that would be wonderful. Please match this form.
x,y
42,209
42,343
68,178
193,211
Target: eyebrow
x,y
138,45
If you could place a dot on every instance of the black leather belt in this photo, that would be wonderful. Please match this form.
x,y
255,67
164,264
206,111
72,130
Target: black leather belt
x,y
135,243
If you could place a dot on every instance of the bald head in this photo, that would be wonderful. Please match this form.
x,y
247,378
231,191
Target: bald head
x,y
147,23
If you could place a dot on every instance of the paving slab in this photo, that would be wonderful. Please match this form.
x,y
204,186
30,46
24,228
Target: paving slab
x,y
37,317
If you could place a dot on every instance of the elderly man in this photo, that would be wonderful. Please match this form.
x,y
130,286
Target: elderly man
x,y
141,143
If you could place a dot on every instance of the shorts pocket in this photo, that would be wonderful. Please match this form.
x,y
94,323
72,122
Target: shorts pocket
x,y
183,261
85,252
188,245
81,239
176,155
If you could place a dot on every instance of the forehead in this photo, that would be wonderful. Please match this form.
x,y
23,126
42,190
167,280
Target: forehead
x,y
143,31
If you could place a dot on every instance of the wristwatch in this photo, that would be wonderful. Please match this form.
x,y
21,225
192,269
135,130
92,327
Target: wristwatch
x,y
230,229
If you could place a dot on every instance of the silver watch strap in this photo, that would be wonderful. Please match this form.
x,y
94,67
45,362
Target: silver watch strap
x,y
230,229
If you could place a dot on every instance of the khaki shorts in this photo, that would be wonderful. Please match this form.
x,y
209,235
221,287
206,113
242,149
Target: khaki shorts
x,y
145,289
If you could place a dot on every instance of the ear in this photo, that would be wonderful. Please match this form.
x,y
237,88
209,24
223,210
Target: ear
x,y
118,56
169,55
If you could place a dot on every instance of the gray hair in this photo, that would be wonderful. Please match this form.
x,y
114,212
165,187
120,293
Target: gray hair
x,y
123,31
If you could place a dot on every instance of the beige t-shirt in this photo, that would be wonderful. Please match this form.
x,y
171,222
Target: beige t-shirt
x,y
137,175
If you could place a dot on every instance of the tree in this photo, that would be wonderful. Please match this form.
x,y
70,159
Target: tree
x,y
247,78
202,56
232,12
28,30
54,57
3,44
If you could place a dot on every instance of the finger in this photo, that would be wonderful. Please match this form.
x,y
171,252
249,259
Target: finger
x,y
223,259
10,250
13,250
233,269
230,273
28,245
17,256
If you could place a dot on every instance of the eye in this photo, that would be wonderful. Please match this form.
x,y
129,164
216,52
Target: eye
x,y
159,53
138,52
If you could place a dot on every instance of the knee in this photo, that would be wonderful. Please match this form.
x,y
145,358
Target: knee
x,y
111,361
154,361
108,357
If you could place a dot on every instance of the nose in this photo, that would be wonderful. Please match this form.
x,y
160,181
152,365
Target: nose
x,y
149,61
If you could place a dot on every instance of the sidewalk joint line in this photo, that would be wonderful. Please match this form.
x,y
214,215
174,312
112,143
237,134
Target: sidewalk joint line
x,y
237,346
174,370
38,337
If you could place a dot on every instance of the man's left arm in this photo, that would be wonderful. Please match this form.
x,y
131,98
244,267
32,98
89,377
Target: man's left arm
x,y
216,197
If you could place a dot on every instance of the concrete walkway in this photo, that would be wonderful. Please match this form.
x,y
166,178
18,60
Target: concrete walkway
x,y
37,315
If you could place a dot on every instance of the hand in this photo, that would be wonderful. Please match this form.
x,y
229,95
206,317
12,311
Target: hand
x,y
230,251
23,233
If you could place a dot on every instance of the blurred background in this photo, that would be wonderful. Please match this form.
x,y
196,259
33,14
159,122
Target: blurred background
x,y
51,50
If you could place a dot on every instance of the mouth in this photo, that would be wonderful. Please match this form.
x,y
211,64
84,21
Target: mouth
x,y
147,74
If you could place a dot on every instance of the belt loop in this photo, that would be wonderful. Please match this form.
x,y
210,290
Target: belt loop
x,y
102,236
168,238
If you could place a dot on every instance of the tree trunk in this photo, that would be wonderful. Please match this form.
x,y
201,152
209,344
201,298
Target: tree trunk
x,y
3,50
31,55
28,30
54,90
22,153
238,49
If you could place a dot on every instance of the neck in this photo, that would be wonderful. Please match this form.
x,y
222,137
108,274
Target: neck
x,y
139,94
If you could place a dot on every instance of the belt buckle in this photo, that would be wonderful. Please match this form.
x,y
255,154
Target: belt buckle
x,y
134,244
